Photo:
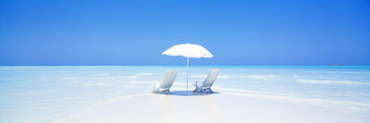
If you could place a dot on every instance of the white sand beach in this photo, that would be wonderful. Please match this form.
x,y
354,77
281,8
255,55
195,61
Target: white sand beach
x,y
123,94
216,108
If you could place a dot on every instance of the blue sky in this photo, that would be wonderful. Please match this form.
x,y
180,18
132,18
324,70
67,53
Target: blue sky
x,y
133,32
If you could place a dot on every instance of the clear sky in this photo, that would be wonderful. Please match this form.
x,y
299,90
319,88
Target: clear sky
x,y
134,32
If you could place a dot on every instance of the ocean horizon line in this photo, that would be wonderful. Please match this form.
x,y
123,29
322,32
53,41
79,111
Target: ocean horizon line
x,y
332,66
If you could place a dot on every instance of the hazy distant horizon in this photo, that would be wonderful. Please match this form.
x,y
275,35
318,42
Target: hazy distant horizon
x,y
334,65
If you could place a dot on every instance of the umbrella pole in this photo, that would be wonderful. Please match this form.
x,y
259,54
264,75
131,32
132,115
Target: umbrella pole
x,y
187,74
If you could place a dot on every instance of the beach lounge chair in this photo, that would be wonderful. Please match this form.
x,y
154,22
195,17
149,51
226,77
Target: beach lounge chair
x,y
208,82
167,82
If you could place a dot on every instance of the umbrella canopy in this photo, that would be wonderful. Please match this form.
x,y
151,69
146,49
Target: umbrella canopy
x,y
189,51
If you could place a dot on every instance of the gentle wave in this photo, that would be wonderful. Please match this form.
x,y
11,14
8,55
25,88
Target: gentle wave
x,y
332,82
144,74
132,77
67,78
97,84
259,76
101,74
321,102
144,82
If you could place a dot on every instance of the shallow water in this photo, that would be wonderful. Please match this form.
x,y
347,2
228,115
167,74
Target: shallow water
x,y
52,93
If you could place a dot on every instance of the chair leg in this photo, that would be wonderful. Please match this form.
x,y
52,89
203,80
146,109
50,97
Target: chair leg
x,y
210,90
207,90
197,88
167,91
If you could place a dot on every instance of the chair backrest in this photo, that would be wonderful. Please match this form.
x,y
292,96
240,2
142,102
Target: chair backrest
x,y
211,78
168,79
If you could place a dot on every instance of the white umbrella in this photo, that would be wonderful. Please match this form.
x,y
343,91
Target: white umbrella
x,y
189,51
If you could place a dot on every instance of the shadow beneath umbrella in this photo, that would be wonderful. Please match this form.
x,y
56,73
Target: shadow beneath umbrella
x,y
188,93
